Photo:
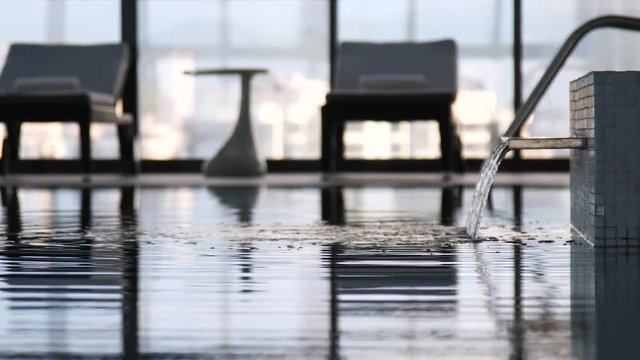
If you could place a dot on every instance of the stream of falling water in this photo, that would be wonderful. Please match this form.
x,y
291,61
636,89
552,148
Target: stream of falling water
x,y
487,176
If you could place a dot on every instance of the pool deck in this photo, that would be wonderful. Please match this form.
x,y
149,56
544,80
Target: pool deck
x,y
285,180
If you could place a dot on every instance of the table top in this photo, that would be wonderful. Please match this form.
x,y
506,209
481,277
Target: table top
x,y
226,71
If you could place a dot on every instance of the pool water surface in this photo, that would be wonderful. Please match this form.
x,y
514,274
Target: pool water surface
x,y
306,273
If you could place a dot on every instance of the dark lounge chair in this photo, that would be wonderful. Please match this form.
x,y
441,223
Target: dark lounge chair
x,y
392,82
65,83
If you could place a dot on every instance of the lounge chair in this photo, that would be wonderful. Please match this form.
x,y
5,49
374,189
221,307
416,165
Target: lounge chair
x,y
392,82
65,83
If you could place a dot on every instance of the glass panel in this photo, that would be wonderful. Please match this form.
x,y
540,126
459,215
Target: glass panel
x,y
60,21
373,20
546,25
191,117
482,31
12,17
80,21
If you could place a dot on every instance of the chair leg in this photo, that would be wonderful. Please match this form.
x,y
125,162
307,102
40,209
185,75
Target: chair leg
x,y
327,152
447,143
85,146
11,145
338,137
126,138
459,161
332,140
5,157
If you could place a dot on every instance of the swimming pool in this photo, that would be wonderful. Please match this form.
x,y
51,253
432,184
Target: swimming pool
x,y
259,272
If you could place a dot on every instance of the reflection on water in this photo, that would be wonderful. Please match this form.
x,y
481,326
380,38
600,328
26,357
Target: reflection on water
x,y
65,289
372,288
605,303
115,273
333,205
239,198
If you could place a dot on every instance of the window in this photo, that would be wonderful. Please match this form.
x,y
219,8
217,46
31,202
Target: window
x,y
190,117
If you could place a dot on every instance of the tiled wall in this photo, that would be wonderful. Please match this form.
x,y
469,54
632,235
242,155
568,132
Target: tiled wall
x,y
605,205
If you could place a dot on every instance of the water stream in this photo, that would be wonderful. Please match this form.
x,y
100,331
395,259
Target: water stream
x,y
487,176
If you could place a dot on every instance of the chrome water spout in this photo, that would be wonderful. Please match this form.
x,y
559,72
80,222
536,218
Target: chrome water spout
x,y
515,143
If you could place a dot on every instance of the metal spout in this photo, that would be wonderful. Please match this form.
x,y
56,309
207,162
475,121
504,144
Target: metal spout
x,y
546,143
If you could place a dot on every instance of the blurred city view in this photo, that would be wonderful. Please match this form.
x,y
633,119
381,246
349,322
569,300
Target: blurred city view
x,y
186,117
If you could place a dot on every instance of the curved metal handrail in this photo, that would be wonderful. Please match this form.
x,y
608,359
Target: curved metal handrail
x,y
610,21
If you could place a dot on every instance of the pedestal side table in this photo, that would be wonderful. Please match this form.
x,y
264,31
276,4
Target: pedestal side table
x,y
239,155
